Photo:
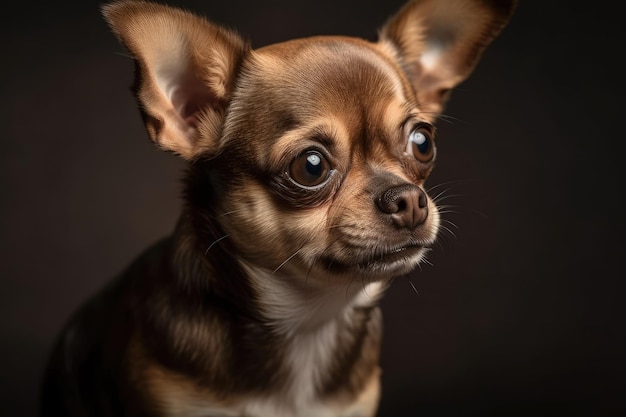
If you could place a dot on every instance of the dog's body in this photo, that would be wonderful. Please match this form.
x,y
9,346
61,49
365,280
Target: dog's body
x,y
303,200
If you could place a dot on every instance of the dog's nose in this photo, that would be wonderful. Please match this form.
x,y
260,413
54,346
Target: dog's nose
x,y
406,204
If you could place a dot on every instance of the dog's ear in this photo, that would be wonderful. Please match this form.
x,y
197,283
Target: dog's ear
x,y
439,42
185,72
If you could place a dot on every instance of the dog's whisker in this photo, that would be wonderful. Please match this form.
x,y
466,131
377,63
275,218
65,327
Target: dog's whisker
x,y
228,213
451,183
123,55
449,119
341,226
441,197
447,229
413,286
442,192
287,260
443,117
439,241
451,223
214,243
446,206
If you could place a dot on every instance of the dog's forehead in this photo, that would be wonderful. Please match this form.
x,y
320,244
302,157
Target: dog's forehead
x,y
331,72
315,77
339,84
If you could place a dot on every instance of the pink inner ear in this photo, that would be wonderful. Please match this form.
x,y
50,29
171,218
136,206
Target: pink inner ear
x,y
190,97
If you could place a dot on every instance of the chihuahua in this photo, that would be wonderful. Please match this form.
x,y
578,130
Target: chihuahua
x,y
304,198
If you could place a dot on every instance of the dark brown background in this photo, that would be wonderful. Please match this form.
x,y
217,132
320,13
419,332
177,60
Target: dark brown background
x,y
521,313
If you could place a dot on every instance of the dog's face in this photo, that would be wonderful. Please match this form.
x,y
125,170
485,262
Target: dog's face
x,y
318,149
332,152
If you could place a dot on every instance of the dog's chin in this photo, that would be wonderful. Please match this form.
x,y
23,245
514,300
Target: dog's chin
x,y
381,264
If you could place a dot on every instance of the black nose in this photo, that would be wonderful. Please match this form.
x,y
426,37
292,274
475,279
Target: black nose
x,y
406,204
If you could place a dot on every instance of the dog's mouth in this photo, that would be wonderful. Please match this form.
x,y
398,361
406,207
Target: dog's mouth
x,y
390,256
392,260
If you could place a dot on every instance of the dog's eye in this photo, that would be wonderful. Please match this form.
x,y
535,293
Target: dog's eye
x,y
420,144
309,169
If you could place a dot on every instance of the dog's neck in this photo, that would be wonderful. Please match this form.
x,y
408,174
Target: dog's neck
x,y
325,327
298,304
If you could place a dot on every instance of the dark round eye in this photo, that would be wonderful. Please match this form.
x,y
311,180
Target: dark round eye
x,y
309,169
420,145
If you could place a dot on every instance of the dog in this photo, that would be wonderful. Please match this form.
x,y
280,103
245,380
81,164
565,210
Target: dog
x,y
304,199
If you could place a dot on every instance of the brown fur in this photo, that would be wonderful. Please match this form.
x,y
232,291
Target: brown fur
x,y
258,304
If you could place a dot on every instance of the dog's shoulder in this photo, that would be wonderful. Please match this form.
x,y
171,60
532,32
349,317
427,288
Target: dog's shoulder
x,y
83,371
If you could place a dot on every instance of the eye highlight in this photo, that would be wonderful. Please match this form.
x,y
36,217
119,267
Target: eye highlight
x,y
420,144
309,169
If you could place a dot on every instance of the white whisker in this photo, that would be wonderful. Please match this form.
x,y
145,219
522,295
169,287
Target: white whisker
x,y
228,213
447,229
442,184
450,223
287,260
413,286
427,262
440,197
214,242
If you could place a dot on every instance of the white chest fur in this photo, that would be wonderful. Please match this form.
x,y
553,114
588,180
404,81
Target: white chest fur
x,y
312,320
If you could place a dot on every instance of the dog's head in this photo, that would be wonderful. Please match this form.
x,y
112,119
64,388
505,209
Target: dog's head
x,y
315,151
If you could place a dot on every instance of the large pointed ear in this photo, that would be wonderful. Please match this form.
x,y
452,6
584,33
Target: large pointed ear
x,y
439,42
185,72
